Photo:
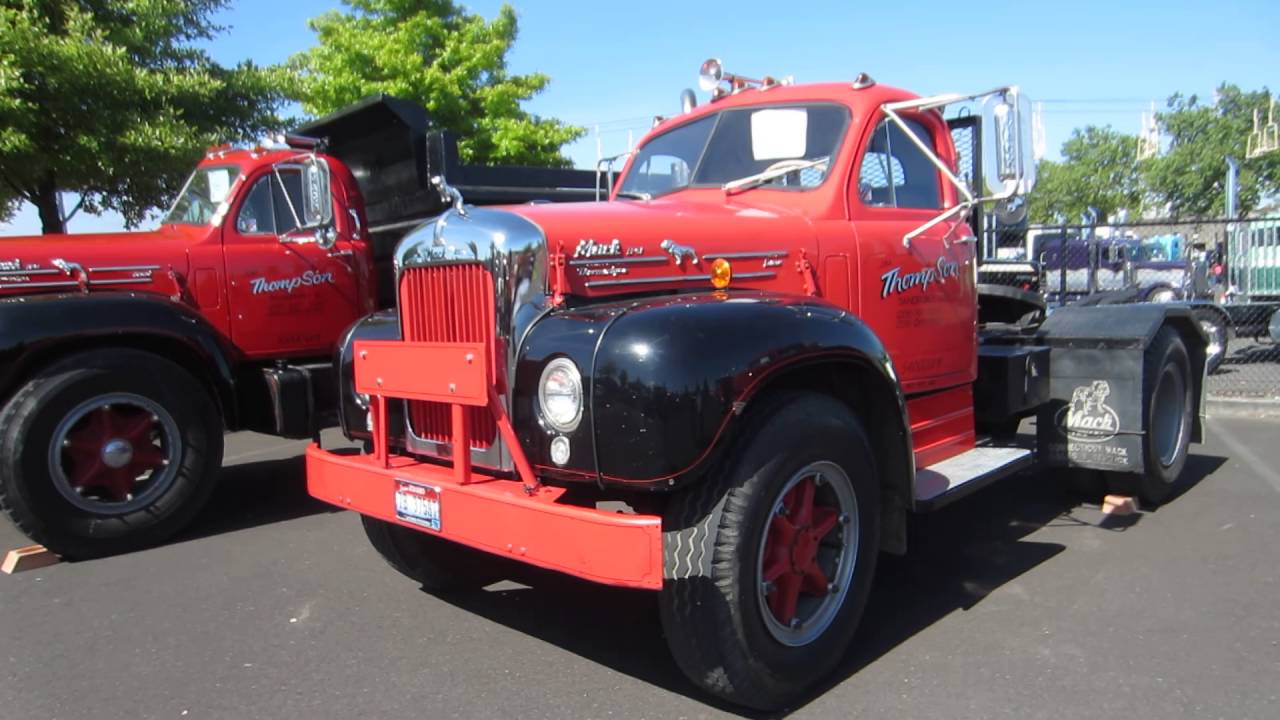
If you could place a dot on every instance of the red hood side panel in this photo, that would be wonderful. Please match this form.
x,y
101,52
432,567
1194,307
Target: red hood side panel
x,y
625,247
139,261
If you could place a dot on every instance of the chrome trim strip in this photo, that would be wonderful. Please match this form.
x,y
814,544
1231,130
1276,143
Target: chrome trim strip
x,y
648,281
676,278
124,268
120,281
619,260
51,284
49,271
746,255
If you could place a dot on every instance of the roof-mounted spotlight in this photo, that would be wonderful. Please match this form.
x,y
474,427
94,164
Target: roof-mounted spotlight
x,y
711,74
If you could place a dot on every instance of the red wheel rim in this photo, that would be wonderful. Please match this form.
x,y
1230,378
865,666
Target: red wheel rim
x,y
807,554
113,452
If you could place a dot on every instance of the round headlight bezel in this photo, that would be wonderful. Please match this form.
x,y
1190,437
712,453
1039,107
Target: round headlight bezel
x,y
560,424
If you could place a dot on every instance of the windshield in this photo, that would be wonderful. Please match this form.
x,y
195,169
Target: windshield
x,y
1151,252
740,143
205,191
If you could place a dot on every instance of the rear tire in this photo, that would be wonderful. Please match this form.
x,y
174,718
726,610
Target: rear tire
x,y
436,564
763,644
1167,403
108,451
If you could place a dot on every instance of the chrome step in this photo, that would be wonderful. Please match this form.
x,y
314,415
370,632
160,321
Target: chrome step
x,y
953,478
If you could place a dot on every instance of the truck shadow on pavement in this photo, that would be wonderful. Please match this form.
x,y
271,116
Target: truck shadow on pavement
x,y
958,556
251,494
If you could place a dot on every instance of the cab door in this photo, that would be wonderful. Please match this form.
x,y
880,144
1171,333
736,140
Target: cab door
x,y
289,297
918,296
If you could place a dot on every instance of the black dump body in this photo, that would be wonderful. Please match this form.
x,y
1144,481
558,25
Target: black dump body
x,y
393,150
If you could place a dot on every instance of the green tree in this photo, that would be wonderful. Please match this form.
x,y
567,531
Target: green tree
x,y
1191,176
1099,169
451,61
109,99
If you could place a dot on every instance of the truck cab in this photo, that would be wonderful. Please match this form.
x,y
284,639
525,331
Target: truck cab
x,y
124,357
767,346
233,249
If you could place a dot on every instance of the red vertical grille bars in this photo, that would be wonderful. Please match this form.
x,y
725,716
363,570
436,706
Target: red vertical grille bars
x,y
448,303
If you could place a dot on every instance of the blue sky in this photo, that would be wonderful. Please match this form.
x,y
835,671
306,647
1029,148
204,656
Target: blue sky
x,y
616,65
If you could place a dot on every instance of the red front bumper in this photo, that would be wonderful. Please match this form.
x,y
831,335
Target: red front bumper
x,y
500,517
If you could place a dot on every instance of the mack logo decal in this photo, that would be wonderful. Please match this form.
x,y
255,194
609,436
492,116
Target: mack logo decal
x,y
446,252
1088,418
590,248
896,281
262,285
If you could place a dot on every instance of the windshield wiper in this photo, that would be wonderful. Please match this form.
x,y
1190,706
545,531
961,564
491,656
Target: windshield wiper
x,y
776,170
634,195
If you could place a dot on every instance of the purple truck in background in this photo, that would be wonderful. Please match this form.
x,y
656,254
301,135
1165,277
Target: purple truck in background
x,y
1086,267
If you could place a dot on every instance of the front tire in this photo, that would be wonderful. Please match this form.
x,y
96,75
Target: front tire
x,y
107,452
769,564
438,565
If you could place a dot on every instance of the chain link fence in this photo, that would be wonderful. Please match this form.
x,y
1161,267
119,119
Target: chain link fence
x,y
1228,271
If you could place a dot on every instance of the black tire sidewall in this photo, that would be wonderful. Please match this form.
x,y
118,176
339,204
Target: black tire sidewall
x,y
809,429
434,562
1158,479
24,448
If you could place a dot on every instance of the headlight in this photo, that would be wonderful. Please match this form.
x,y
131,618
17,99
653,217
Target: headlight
x,y
560,394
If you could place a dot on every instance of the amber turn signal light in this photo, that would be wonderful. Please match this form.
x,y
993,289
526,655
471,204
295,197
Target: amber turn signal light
x,y
721,273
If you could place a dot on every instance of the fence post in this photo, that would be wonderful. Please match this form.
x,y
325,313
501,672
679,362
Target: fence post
x,y
1062,267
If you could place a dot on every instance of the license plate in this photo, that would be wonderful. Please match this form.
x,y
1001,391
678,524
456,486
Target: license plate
x,y
418,504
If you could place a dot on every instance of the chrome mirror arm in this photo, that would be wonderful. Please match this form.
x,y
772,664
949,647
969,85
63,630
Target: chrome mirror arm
x,y
933,103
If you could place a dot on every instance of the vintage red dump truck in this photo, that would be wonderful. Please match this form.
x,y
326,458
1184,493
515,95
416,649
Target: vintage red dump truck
x,y
125,356
731,383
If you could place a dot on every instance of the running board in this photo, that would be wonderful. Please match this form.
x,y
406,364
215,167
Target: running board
x,y
954,478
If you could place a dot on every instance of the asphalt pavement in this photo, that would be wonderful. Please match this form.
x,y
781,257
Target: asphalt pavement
x,y
1018,602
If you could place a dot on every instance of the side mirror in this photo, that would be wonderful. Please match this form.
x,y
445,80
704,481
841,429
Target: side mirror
x,y
317,204
1008,162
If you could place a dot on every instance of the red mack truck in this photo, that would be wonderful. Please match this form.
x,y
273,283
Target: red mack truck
x,y
125,356
732,382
